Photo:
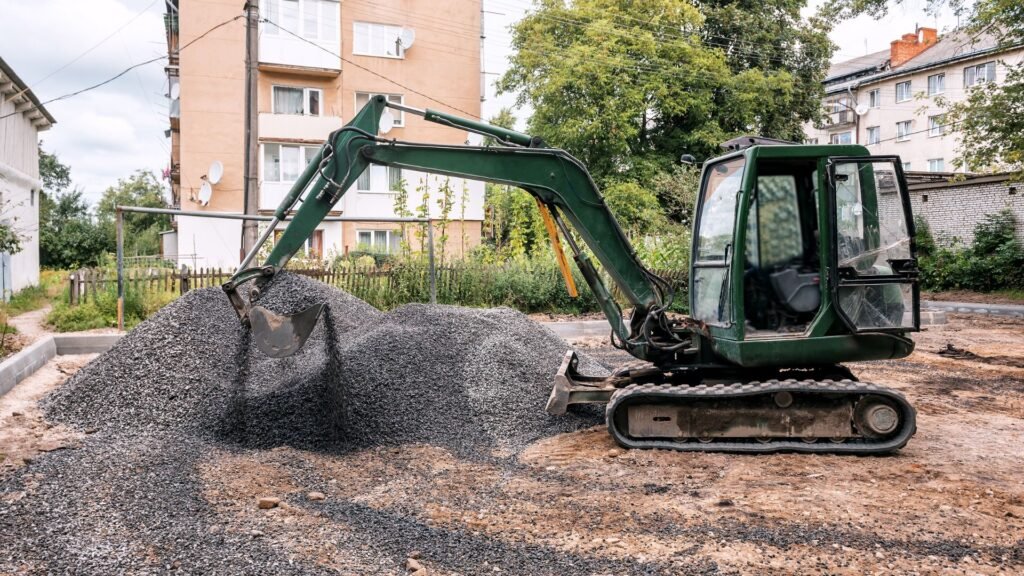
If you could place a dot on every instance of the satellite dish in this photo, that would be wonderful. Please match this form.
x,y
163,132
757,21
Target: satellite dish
x,y
387,122
406,38
205,193
216,172
861,109
175,91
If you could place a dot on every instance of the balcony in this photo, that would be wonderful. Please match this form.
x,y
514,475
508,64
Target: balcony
x,y
291,127
283,51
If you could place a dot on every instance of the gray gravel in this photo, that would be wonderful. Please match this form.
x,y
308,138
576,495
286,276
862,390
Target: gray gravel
x,y
185,381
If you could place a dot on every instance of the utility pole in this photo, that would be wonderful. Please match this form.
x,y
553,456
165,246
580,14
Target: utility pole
x,y
250,203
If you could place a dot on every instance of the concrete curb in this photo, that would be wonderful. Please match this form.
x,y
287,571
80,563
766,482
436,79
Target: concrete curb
x,y
21,365
1014,310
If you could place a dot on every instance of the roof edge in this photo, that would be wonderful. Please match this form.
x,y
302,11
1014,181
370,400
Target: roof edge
x,y
23,87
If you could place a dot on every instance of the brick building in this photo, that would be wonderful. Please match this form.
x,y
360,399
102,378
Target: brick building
x,y
319,62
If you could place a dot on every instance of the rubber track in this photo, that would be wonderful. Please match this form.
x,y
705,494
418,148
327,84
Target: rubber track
x,y
908,416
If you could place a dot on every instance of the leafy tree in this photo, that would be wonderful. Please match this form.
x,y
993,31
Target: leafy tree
x,y
635,207
677,191
627,95
68,238
141,231
55,175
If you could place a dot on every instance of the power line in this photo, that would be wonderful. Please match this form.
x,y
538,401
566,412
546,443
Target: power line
x,y
94,46
121,73
364,68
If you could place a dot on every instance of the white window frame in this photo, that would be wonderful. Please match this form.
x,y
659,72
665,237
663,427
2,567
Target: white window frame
x,y
305,99
936,126
940,81
933,161
364,184
984,65
395,98
909,93
837,138
366,28
390,234
303,149
875,131
875,98
905,136
272,10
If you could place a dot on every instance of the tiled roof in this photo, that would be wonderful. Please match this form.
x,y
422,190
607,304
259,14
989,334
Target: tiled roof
x,y
866,69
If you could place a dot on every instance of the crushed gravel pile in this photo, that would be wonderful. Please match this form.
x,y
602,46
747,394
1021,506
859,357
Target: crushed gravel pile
x,y
468,380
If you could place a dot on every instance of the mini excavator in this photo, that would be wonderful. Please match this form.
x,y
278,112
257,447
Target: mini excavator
x,y
802,258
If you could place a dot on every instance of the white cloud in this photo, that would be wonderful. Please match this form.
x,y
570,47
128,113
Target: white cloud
x,y
112,131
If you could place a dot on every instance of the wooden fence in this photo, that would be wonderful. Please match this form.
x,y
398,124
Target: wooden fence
x,y
383,287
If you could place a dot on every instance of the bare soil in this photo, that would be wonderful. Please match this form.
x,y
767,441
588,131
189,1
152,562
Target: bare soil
x,y
952,502
972,297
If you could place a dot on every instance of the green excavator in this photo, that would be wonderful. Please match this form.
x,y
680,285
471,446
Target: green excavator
x,y
802,259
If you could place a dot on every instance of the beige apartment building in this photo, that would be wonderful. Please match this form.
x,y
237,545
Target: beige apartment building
x,y
319,62
890,100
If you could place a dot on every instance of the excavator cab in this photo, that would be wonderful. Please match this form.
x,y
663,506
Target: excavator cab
x,y
802,246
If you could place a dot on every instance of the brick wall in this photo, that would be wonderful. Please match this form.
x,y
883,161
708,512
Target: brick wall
x,y
952,210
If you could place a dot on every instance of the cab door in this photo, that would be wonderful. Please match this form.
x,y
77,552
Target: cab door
x,y
873,279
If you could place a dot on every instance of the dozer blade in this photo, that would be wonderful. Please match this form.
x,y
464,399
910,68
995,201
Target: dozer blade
x,y
277,335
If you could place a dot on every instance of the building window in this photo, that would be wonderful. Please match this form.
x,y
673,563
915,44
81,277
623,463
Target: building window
x,y
380,241
841,138
936,126
382,179
974,75
372,39
284,162
309,19
903,131
294,100
936,165
903,91
874,134
874,98
363,98
936,84
906,166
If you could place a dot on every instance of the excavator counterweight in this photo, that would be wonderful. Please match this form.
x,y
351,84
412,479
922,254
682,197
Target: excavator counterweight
x,y
802,259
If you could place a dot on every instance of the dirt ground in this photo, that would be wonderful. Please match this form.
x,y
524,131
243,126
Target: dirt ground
x,y
951,502
974,297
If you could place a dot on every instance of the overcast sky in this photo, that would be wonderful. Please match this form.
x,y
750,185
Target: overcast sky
x,y
112,131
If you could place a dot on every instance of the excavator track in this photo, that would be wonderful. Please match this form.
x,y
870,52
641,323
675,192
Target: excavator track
x,y
825,416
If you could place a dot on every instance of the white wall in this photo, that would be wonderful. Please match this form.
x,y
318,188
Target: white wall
x,y
209,242
19,207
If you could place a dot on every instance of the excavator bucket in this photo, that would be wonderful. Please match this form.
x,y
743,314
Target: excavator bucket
x,y
278,335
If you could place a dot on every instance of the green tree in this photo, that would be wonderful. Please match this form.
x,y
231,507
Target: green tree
x,y
677,191
626,95
68,237
636,208
141,231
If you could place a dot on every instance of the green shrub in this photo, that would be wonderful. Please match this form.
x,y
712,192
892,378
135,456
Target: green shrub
x,y
994,261
67,318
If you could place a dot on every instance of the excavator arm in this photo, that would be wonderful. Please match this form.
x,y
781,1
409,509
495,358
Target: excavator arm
x,y
559,182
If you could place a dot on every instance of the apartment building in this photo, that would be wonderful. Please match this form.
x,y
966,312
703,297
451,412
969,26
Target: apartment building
x,y
22,118
890,101
319,63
